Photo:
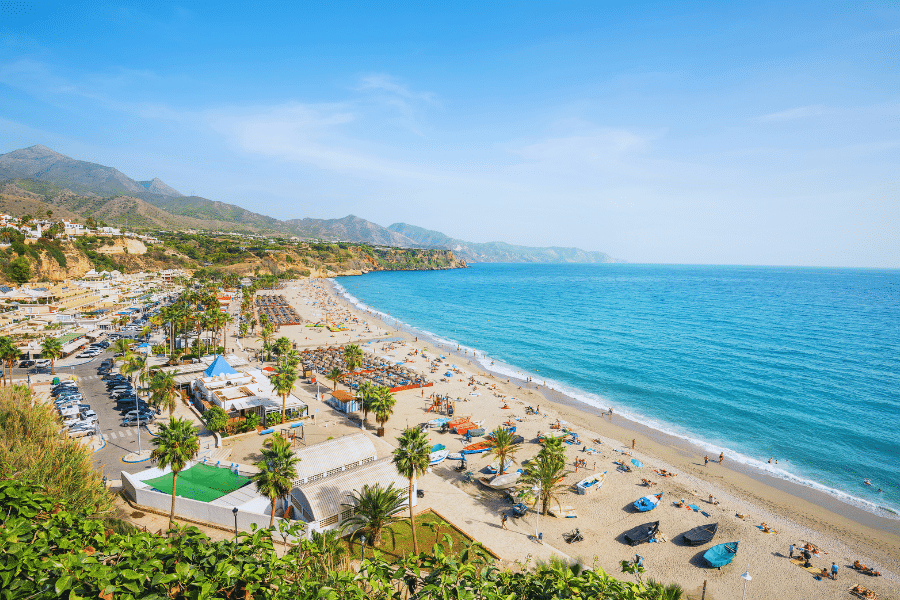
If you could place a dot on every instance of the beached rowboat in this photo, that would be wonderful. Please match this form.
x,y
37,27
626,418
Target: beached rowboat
x,y
648,503
700,535
590,483
505,481
721,555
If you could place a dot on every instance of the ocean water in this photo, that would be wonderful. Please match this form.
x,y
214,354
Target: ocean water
x,y
793,363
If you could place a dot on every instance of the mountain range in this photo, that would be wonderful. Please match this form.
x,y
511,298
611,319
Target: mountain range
x,y
37,179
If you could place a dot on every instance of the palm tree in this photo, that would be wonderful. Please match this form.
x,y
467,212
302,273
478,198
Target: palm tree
x,y
9,354
353,357
366,394
176,444
277,471
546,472
383,405
373,508
283,381
51,348
334,375
411,460
504,447
163,390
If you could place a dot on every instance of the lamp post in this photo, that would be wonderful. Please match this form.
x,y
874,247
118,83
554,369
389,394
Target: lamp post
x,y
746,577
234,511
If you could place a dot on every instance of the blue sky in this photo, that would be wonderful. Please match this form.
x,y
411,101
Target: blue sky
x,y
738,133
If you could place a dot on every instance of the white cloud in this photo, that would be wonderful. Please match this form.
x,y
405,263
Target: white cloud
x,y
800,112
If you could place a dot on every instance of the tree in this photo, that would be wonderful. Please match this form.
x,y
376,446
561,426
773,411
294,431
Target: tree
x,y
216,419
277,470
353,357
411,459
283,381
334,376
51,348
373,509
367,393
164,391
9,354
176,444
504,447
546,472
19,270
383,405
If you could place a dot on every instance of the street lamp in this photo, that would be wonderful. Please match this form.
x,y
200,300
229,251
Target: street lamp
x,y
746,577
234,511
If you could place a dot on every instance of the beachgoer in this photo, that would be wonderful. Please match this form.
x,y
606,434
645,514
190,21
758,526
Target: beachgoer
x,y
503,521
792,551
834,570
721,457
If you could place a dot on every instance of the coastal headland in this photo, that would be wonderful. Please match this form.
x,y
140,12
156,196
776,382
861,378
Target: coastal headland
x,y
745,503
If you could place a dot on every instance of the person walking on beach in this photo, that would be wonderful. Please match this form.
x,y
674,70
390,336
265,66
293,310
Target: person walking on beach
x,y
503,521
721,457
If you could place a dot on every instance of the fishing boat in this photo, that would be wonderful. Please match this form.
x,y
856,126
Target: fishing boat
x,y
700,535
721,555
477,447
590,483
438,454
505,481
648,503
642,533
492,468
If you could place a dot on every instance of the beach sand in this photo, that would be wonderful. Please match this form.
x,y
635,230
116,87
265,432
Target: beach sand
x,y
798,514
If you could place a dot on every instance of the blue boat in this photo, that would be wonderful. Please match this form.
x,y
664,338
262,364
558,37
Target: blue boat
x,y
721,555
648,503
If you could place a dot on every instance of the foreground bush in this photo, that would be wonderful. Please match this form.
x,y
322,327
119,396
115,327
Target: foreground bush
x,y
32,448
50,552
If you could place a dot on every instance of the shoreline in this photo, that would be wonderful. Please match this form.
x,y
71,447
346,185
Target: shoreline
x,y
814,510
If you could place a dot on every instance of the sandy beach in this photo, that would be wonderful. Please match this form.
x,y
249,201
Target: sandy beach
x,y
794,514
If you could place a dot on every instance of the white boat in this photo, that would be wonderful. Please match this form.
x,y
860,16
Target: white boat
x,y
493,467
438,456
505,481
590,483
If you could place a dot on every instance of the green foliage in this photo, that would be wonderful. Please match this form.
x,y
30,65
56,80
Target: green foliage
x,y
19,270
32,448
216,419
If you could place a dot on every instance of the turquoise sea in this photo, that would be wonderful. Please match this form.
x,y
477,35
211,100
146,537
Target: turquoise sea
x,y
792,363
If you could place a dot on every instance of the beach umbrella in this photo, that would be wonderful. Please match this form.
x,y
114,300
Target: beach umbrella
x,y
637,463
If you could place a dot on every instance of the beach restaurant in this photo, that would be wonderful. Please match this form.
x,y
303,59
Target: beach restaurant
x,y
240,393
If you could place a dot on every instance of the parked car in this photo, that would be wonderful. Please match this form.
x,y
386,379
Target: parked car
x,y
26,364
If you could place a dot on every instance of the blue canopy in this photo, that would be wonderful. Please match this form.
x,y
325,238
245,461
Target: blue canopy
x,y
219,366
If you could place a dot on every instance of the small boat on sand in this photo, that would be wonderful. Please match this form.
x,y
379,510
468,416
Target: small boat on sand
x,y
721,555
438,454
505,481
477,447
648,503
700,535
590,483
642,533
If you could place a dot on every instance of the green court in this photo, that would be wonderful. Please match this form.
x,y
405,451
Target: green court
x,y
200,482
